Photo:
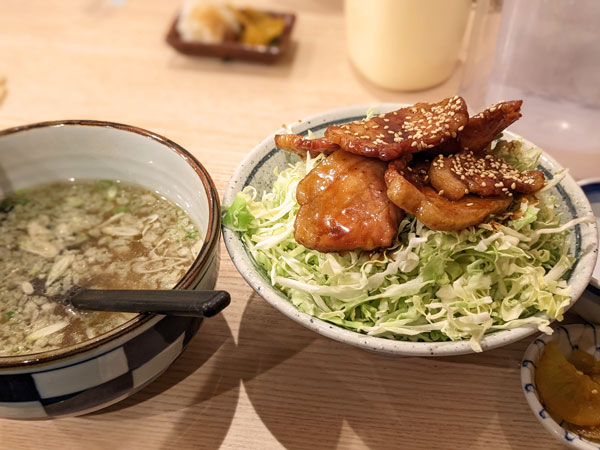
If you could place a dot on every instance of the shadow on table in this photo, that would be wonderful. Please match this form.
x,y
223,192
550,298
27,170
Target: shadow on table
x,y
267,339
201,408
325,397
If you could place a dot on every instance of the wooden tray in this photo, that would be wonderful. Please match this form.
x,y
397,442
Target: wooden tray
x,y
234,49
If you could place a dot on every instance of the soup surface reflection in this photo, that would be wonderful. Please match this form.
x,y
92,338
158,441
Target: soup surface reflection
x,y
57,237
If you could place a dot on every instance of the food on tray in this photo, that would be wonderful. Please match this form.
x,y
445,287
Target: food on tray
x,y
567,389
259,28
212,23
207,22
95,234
460,264
344,206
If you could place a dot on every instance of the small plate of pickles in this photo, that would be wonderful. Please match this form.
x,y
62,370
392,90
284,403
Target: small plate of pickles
x,y
219,30
560,376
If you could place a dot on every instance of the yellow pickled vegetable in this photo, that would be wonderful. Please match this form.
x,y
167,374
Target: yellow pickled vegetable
x,y
586,363
259,28
567,392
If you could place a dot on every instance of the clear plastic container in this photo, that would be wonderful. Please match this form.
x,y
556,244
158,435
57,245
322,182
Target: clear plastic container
x,y
546,52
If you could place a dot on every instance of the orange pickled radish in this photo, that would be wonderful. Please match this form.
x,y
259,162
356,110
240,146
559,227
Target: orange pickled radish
x,y
586,363
567,392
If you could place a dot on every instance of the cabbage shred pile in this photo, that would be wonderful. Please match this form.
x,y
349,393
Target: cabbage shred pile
x,y
430,285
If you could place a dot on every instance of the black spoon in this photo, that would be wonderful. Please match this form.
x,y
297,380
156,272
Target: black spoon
x,y
169,302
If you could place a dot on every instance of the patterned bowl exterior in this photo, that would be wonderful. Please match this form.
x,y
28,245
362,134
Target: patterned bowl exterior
x,y
257,170
569,337
98,381
104,370
588,305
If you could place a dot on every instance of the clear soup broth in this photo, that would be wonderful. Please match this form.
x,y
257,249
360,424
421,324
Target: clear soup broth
x,y
93,234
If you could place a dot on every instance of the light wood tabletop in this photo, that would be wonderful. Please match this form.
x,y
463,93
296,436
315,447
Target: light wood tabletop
x,y
251,378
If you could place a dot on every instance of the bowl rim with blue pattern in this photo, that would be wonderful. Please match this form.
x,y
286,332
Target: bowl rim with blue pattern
x,y
591,188
211,240
568,337
255,166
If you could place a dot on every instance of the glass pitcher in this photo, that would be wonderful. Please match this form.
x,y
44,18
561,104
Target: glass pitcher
x,y
546,52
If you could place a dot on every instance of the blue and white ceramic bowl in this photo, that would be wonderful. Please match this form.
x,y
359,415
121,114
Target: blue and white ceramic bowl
x,y
569,337
257,170
588,305
101,371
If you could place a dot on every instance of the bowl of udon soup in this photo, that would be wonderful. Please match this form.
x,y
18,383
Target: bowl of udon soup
x,y
88,204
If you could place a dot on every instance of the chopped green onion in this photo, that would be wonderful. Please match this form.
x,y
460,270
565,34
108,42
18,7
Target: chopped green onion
x,y
9,203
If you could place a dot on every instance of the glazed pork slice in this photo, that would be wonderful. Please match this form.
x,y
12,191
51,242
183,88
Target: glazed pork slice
x,y
457,175
301,146
407,189
404,131
480,130
344,205
484,127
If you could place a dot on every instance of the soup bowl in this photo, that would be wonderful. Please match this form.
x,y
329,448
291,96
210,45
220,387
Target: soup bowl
x,y
110,367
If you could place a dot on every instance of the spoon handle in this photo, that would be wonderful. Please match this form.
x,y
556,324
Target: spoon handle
x,y
170,302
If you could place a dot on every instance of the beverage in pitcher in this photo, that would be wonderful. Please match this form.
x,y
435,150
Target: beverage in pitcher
x,y
405,44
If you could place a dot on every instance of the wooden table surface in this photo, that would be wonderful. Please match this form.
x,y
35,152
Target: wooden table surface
x,y
251,379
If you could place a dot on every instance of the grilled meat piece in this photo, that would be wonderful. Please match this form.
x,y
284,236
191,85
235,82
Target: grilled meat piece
x,y
432,209
301,146
404,131
484,127
344,205
486,175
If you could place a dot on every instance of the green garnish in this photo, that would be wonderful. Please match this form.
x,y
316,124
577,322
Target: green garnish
x,y
105,184
9,203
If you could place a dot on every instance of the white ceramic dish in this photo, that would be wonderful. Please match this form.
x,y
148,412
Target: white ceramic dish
x,y
257,170
585,337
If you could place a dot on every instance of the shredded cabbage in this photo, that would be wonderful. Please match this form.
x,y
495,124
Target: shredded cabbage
x,y
431,285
